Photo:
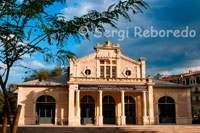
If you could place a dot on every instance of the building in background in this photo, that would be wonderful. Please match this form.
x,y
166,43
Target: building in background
x,y
192,79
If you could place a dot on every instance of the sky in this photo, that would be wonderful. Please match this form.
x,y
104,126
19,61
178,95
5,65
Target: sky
x,y
165,54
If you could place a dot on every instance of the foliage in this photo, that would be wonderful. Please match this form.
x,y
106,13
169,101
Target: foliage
x,y
24,25
195,115
12,100
44,74
158,76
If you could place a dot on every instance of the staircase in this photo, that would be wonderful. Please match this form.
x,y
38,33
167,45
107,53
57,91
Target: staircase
x,y
111,129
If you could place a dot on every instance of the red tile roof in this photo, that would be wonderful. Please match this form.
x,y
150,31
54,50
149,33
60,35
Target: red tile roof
x,y
177,76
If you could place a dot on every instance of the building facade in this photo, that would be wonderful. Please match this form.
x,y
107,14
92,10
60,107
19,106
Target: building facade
x,y
105,87
192,79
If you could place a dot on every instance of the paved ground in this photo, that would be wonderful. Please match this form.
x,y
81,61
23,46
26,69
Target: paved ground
x,y
110,129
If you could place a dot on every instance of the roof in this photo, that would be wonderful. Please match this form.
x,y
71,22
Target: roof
x,y
192,73
160,83
53,81
177,76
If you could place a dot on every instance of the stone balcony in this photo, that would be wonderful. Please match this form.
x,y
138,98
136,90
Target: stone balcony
x,y
121,81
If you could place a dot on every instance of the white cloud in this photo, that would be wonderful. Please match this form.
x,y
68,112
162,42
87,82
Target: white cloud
x,y
33,64
2,67
193,65
15,74
83,7
36,64
27,56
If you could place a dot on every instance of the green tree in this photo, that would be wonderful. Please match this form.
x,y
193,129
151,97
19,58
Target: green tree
x,y
25,25
44,74
158,76
13,103
2,107
57,72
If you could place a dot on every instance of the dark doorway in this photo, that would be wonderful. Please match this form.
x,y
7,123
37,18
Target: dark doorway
x,y
87,110
130,110
166,107
108,110
45,110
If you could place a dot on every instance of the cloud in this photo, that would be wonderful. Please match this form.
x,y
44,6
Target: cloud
x,y
16,74
81,7
193,65
2,68
166,55
36,64
27,56
33,64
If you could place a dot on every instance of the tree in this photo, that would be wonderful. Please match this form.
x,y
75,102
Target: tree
x,y
13,103
158,76
2,107
24,25
44,74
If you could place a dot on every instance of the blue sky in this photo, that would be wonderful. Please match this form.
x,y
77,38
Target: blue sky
x,y
167,55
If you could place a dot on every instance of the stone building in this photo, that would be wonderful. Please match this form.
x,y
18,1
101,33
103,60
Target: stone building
x,y
105,87
192,79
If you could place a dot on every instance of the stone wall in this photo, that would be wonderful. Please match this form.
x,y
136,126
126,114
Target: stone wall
x,y
27,97
182,100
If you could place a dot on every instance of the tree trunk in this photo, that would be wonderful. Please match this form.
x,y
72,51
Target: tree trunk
x,y
7,102
14,130
5,122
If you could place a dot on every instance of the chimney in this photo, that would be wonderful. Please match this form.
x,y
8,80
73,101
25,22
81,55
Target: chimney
x,y
190,71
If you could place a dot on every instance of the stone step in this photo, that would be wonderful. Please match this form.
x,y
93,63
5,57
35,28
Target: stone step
x,y
110,129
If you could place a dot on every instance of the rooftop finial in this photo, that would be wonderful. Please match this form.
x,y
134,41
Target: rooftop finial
x,y
108,43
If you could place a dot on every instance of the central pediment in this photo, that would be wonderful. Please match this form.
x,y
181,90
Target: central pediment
x,y
107,63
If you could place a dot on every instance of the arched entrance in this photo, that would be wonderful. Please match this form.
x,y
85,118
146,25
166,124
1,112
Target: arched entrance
x,y
166,107
108,110
45,110
87,110
130,110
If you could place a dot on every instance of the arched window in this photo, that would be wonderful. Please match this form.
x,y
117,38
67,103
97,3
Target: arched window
x,y
108,110
129,100
130,112
87,110
108,100
166,100
45,110
87,99
166,106
45,99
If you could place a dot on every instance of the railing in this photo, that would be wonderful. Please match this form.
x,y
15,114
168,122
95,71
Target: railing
x,y
108,79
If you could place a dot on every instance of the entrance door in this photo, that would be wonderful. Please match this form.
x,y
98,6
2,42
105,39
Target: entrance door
x,y
166,108
45,110
130,110
87,110
108,110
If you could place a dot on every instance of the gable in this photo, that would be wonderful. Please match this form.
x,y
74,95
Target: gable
x,y
109,62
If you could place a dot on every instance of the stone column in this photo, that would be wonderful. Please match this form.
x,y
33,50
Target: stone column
x,y
123,117
189,106
20,99
77,117
71,106
151,108
100,118
62,116
143,68
145,118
